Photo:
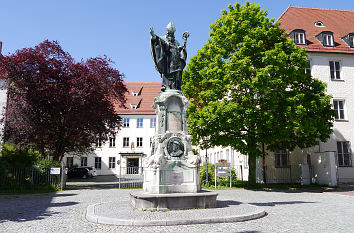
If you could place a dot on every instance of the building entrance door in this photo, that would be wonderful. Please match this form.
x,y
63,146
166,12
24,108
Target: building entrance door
x,y
132,165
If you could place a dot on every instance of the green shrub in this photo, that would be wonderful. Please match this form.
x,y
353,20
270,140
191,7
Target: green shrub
x,y
14,156
45,164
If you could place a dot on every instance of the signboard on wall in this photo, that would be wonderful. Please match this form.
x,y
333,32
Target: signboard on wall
x,y
55,171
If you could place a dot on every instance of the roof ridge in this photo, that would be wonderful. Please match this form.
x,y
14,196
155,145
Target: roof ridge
x,y
314,8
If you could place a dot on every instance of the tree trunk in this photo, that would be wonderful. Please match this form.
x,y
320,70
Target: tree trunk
x,y
251,170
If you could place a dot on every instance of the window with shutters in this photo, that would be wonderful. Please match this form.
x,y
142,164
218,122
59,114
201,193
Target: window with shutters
x,y
344,154
334,67
339,107
281,158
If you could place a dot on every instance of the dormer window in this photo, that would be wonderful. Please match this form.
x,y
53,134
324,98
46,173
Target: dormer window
x,y
319,24
349,40
299,36
326,38
135,93
133,106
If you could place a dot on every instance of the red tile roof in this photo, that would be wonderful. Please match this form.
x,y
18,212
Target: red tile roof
x,y
340,22
147,91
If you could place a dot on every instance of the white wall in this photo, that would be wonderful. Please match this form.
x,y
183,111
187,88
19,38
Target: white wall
x,y
132,132
339,89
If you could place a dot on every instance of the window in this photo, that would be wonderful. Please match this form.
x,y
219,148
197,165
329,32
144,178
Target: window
x,y
281,158
125,142
139,142
112,162
299,38
126,122
139,123
69,161
99,143
152,122
343,153
334,67
351,41
339,108
112,141
308,67
133,106
319,24
328,40
150,141
98,162
83,161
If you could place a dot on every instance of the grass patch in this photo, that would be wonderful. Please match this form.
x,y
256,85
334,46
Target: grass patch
x,y
31,190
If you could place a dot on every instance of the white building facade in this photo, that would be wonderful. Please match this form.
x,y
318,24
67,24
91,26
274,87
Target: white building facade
x,y
123,152
329,43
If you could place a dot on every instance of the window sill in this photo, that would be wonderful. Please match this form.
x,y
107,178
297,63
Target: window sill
x,y
282,166
345,166
341,120
337,80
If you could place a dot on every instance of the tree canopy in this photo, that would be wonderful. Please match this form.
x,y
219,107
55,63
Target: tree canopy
x,y
247,86
58,105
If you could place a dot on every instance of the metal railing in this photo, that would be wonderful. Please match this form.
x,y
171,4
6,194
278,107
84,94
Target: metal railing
x,y
130,177
29,177
283,175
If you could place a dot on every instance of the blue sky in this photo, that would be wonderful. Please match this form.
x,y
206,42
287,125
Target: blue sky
x,y
120,28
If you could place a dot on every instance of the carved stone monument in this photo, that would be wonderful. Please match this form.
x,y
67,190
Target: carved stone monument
x,y
171,172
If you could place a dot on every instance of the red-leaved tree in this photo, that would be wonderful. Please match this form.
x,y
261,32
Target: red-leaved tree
x,y
58,105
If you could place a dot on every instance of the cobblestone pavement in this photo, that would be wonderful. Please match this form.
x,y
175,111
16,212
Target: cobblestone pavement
x,y
287,212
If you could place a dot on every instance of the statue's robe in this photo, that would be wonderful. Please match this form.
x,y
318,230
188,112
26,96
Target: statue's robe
x,y
170,60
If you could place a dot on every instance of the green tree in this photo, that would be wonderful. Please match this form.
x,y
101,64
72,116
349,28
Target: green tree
x,y
247,86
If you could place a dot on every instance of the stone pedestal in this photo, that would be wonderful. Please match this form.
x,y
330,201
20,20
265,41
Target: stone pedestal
x,y
171,172
172,167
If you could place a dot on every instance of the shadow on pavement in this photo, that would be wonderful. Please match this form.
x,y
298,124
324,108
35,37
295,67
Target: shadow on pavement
x,y
226,203
28,207
280,203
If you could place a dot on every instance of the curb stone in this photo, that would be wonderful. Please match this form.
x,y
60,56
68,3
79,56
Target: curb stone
x,y
92,217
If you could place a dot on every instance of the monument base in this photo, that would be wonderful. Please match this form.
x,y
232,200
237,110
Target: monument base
x,y
147,201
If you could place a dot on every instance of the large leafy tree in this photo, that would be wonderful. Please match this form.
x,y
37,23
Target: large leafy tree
x,y
58,105
248,88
